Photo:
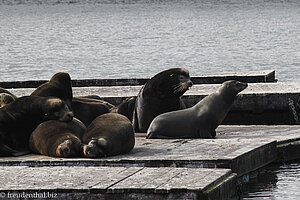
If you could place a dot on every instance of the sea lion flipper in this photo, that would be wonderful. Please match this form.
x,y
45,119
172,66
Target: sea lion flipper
x,y
204,132
7,151
21,153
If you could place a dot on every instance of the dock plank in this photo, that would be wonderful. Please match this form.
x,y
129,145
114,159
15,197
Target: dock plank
x,y
118,182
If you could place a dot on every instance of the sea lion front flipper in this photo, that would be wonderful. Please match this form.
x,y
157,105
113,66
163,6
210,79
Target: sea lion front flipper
x,y
204,132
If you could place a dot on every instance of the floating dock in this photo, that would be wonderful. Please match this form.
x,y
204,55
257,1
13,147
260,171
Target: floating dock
x,y
77,182
162,169
170,169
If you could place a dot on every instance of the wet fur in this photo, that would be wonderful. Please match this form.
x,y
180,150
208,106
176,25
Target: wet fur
x,y
19,118
59,86
160,94
58,139
86,110
6,98
199,121
109,134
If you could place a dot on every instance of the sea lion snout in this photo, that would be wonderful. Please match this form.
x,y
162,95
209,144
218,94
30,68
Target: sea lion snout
x,y
66,117
93,150
64,149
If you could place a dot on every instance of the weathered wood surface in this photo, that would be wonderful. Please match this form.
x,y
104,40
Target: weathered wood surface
x,y
118,182
287,137
249,77
240,155
260,103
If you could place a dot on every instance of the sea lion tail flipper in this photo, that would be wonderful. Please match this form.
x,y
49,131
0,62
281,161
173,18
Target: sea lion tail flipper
x,y
21,153
7,151
103,143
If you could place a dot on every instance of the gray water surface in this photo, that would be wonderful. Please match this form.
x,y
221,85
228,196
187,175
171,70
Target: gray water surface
x,y
121,39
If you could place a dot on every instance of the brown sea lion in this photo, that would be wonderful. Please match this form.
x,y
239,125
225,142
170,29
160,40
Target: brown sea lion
x,y
93,99
160,94
19,118
58,139
3,90
6,98
59,86
199,121
109,134
87,110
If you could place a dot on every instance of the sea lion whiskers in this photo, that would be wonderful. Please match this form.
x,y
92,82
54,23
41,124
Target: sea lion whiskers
x,y
182,87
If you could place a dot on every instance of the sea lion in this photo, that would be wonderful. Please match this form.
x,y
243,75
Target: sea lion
x,y
86,110
3,90
58,139
109,134
6,98
199,121
126,108
162,93
59,86
19,118
93,99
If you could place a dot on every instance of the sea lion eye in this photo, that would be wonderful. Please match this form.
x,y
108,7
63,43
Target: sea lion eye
x,y
171,75
181,77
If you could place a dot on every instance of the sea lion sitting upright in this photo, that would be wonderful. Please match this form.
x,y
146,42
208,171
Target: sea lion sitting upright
x,y
199,121
19,118
58,139
6,98
59,86
109,134
162,93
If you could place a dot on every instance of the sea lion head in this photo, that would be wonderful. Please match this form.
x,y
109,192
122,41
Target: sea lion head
x,y
61,78
96,148
233,87
170,83
68,148
6,98
57,109
59,86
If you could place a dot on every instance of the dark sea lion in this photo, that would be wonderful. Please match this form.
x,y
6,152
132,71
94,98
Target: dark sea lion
x,y
58,139
109,134
126,107
59,86
87,110
6,98
19,118
93,99
162,93
199,121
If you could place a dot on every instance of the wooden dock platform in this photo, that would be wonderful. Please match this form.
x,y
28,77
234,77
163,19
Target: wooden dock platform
x,y
61,182
162,169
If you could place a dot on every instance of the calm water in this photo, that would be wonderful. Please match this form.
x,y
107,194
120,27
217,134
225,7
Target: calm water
x,y
123,38
133,38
